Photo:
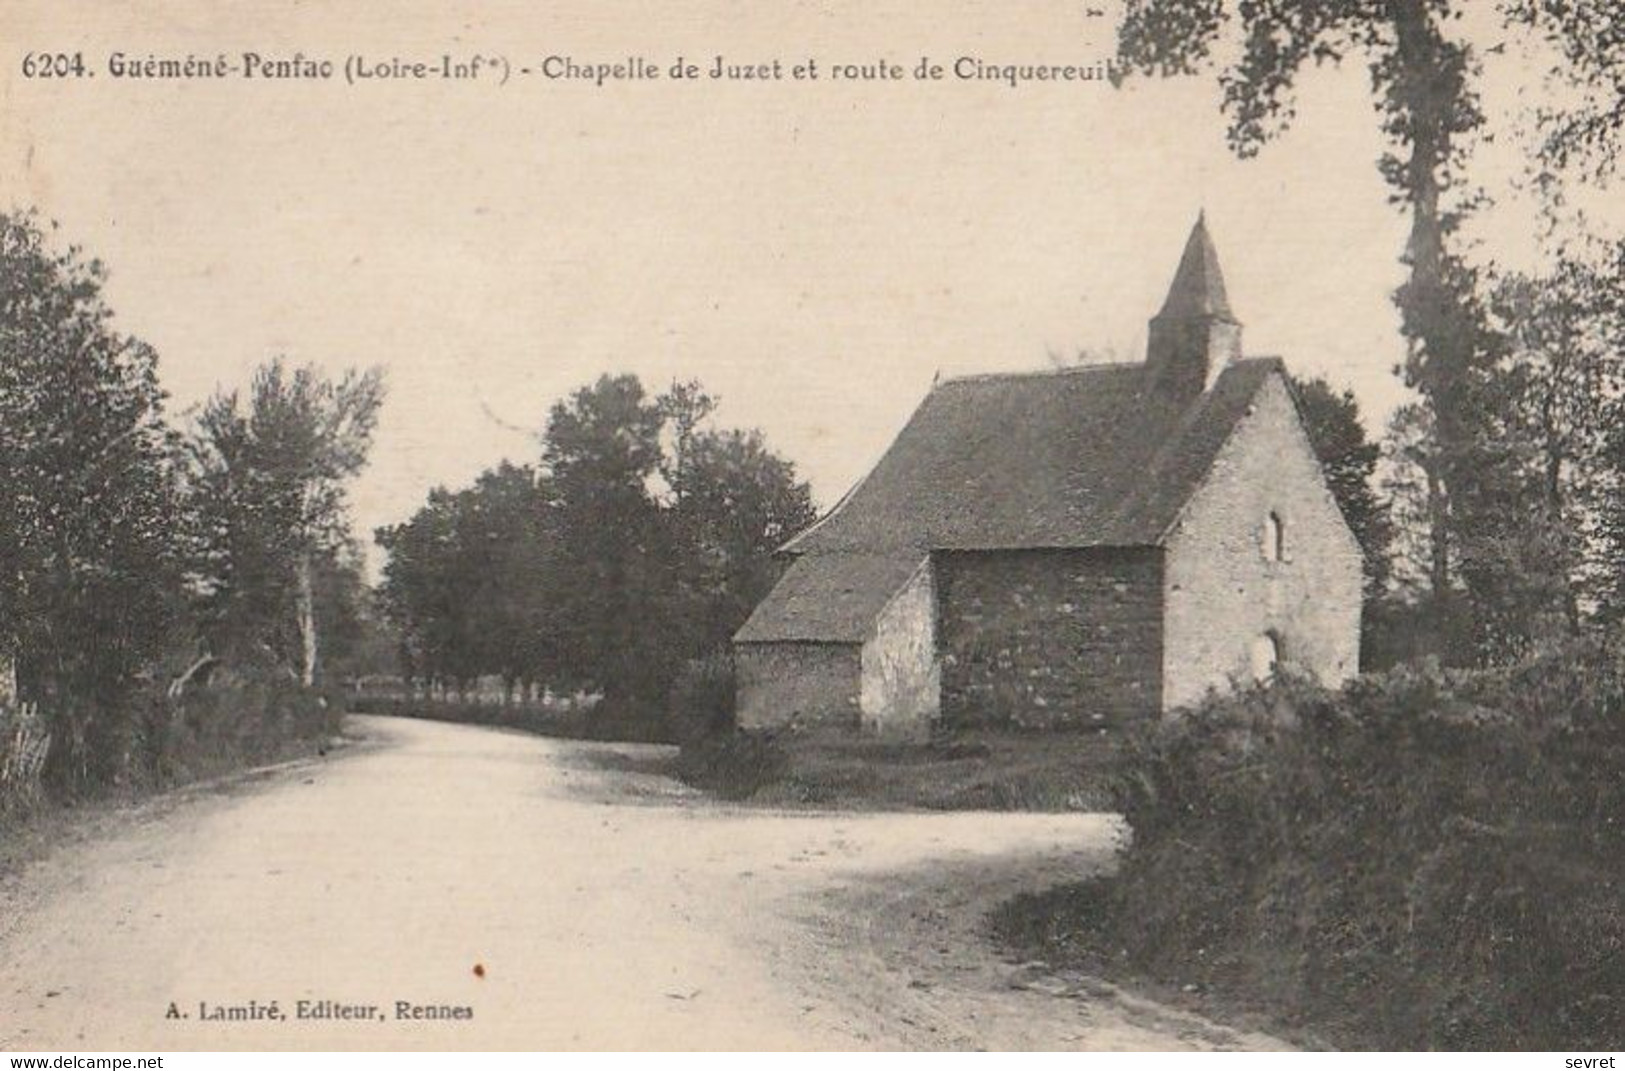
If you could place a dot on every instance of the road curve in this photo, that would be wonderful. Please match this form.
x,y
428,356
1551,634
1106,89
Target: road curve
x,y
557,890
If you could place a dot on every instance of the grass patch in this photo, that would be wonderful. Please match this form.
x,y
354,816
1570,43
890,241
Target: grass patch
x,y
1071,928
982,770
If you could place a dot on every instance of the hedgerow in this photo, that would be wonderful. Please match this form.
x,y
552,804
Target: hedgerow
x,y
1425,858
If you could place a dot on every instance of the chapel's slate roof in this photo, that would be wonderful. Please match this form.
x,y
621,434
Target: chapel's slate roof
x,y
829,598
1074,458
1096,456
1185,459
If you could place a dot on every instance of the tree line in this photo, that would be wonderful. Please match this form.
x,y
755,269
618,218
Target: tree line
x,y
139,552
641,537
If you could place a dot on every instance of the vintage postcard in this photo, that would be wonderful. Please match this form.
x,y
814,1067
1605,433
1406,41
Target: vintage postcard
x,y
815,524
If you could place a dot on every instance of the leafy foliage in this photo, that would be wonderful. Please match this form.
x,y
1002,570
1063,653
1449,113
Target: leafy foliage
x,y
1589,40
111,525
465,582
1349,461
642,541
617,591
267,495
1419,860
89,581
1530,539
1564,396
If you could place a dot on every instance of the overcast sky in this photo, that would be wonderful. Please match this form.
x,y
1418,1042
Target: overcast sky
x,y
814,253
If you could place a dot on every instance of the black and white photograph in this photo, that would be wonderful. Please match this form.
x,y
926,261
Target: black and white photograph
x,y
814,525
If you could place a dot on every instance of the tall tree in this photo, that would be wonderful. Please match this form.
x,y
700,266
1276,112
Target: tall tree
x,y
1531,530
270,475
422,593
1564,383
1566,333
510,560
736,503
89,583
602,453
1412,486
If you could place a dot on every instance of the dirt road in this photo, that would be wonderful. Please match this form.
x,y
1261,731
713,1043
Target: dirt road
x,y
562,896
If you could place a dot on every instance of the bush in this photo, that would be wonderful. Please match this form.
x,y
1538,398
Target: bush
x,y
1427,858
244,719
24,740
735,765
147,740
716,755
702,698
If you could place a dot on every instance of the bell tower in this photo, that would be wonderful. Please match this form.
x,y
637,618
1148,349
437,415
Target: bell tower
x,y
1195,334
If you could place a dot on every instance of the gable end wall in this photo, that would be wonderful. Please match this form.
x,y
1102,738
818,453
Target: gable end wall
x,y
1222,590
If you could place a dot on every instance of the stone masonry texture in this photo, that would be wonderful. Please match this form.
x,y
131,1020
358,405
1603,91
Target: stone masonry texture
x,y
1050,638
779,684
1225,591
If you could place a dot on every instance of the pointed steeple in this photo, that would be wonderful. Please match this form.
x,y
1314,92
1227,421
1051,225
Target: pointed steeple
x,y
1195,334
1198,287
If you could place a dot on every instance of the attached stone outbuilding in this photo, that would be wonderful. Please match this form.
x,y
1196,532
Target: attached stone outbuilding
x,y
1070,547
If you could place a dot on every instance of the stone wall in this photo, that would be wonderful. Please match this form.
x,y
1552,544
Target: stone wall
x,y
1045,638
1227,595
902,678
807,683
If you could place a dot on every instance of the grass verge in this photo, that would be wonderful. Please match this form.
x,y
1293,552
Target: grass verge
x,y
960,772
1069,929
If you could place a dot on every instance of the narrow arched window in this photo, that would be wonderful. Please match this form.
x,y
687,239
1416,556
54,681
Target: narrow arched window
x,y
1274,537
1265,657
